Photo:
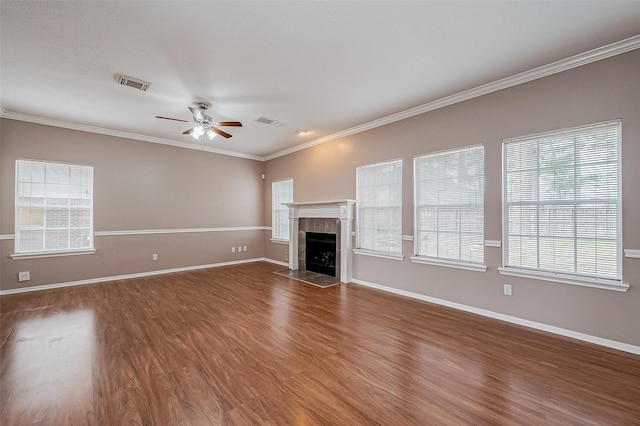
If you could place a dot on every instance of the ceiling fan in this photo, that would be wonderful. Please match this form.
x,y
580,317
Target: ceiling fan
x,y
204,123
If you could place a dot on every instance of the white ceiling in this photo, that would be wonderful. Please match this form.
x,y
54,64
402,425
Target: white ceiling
x,y
319,66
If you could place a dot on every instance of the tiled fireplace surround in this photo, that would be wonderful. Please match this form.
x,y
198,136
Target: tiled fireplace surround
x,y
326,226
333,217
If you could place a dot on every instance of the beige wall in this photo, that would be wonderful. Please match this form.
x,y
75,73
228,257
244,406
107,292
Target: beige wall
x,y
608,89
137,186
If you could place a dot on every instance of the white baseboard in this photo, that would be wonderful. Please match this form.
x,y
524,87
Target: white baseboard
x,y
277,262
129,276
625,347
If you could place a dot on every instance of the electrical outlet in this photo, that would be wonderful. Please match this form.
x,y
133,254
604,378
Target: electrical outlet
x,y
24,276
239,249
508,290
233,249
244,248
154,257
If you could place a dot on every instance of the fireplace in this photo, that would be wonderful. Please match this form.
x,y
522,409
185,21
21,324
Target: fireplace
x,y
321,253
323,217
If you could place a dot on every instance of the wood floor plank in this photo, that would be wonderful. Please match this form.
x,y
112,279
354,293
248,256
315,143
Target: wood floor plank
x,y
240,345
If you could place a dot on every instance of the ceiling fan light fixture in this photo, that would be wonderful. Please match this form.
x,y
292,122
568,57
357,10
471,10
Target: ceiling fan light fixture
x,y
204,124
197,132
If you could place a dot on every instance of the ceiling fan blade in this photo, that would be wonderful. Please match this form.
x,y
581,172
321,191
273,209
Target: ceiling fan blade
x,y
197,114
169,118
188,132
230,123
221,132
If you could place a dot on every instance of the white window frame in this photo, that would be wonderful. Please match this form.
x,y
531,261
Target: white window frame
x,y
277,209
363,249
21,253
575,277
441,260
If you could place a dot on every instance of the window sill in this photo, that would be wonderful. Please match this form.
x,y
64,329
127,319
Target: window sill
x,y
279,241
39,254
449,263
378,254
566,279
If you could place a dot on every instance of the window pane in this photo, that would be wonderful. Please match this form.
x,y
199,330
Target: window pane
x,y
57,218
80,238
30,216
523,250
30,240
56,239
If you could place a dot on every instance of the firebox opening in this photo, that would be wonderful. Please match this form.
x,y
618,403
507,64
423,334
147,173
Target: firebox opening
x,y
321,253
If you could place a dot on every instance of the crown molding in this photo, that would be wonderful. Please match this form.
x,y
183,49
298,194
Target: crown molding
x,y
585,58
120,134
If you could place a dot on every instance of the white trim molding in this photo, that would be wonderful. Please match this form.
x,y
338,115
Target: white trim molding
x,y
177,231
279,241
632,253
36,255
449,263
276,262
165,231
492,243
601,283
129,276
625,347
585,58
378,254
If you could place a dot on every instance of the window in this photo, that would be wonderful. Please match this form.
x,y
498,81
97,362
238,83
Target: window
x,y
281,192
449,205
379,214
54,207
562,202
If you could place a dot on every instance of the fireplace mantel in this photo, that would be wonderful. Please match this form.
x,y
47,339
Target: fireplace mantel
x,y
338,209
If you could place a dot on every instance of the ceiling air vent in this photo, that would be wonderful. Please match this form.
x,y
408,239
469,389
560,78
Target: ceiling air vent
x,y
136,83
265,120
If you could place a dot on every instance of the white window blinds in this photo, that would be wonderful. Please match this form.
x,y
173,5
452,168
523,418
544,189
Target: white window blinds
x,y
379,213
562,202
54,207
281,192
449,205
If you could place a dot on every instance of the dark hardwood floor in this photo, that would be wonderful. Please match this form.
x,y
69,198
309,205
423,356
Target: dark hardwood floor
x,y
242,345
